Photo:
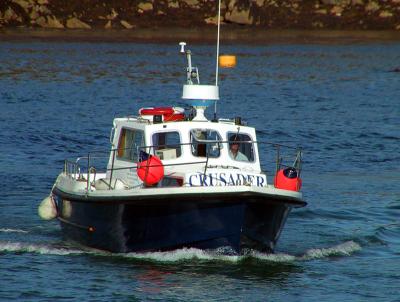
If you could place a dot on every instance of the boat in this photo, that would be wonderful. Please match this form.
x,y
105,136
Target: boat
x,y
176,179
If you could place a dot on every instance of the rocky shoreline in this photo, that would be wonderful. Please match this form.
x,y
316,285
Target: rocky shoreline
x,y
204,35
132,15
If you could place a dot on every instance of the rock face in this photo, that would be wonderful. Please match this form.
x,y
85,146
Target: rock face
x,y
126,24
75,23
130,14
239,16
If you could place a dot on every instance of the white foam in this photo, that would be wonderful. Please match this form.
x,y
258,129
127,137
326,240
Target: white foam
x,y
35,248
3,230
344,249
182,255
279,257
186,254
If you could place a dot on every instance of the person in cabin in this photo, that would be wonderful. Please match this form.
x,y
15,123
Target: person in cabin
x,y
234,147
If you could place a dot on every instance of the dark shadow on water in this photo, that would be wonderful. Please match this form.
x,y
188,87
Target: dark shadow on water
x,y
397,69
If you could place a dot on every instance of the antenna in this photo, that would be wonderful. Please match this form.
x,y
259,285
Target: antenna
x,y
216,65
191,72
218,30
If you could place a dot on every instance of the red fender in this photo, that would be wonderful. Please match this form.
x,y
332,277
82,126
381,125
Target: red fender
x,y
281,181
150,171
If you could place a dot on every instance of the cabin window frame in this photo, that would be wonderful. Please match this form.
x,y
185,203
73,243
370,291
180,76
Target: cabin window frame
x,y
134,150
192,148
179,144
252,149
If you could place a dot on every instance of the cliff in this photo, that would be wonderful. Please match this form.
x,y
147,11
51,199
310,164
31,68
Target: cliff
x,y
131,14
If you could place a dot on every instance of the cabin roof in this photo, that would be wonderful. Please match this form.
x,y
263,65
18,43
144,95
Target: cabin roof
x,y
222,125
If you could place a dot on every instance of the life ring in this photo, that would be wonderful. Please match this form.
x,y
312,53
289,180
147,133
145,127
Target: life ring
x,y
157,111
169,114
174,117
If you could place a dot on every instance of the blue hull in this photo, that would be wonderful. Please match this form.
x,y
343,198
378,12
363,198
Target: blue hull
x,y
238,222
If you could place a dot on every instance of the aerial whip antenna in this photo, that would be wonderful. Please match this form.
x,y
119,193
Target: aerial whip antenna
x,y
216,65
218,31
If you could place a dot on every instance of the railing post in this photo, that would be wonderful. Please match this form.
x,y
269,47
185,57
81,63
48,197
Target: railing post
x,y
299,154
205,168
112,168
278,156
88,173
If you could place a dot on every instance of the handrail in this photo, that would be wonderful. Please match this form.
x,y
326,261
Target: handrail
x,y
73,168
185,144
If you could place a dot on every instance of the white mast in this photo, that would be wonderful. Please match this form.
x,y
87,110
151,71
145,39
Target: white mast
x,y
218,30
216,65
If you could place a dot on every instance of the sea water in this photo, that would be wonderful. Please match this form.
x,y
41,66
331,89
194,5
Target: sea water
x,y
341,103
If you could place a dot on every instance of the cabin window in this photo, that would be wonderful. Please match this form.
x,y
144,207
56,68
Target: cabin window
x,y
240,147
130,141
205,142
167,145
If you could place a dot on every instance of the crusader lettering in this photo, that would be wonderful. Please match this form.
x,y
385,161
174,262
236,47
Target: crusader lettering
x,y
214,178
260,181
222,178
190,179
225,179
203,180
250,179
231,181
241,179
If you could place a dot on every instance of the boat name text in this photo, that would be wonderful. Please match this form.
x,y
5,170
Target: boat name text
x,y
215,179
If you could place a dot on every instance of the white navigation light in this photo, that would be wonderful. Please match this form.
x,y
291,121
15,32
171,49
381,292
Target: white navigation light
x,y
182,44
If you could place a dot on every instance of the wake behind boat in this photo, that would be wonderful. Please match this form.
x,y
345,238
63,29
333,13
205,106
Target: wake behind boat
x,y
175,179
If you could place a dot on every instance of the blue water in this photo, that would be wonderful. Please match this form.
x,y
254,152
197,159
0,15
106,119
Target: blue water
x,y
339,102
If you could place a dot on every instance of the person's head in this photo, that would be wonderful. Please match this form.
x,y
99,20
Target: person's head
x,y
234,143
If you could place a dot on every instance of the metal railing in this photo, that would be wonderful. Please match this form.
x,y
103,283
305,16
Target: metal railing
x,y
76,169
283,161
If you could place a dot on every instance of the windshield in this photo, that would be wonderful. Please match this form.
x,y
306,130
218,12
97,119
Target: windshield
x,y
240,147
205,142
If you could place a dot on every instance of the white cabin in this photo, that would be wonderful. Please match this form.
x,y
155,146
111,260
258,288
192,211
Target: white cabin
x,y
187,149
